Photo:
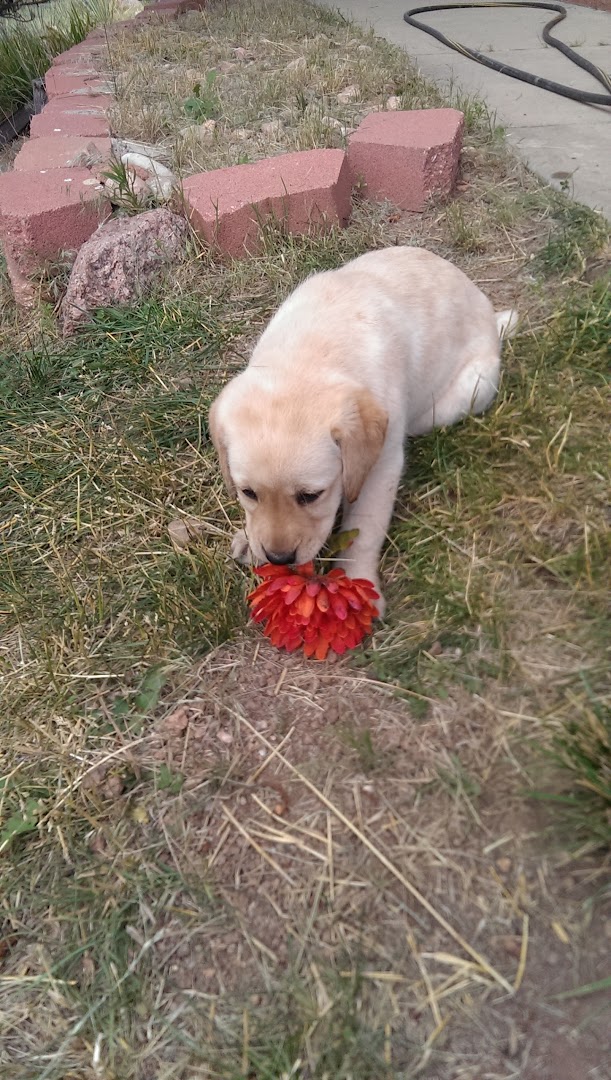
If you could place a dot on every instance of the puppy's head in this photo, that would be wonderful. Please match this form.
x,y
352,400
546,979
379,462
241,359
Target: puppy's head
x,y
292,457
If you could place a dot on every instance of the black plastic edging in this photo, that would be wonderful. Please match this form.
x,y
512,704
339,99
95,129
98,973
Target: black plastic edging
x,y
13,125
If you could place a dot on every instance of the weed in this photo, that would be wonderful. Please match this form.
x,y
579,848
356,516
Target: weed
x,y
203,104
155,70
124,194
362,743
464,233
26,49
577,233
581,750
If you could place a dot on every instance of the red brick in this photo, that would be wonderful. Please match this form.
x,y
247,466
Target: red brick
x,y
73,78
80,54
73,115
407,157
24,289
97,39
301,190
44,214
58,151
101,103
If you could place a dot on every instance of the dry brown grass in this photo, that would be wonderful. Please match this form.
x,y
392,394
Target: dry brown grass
x,y
275,63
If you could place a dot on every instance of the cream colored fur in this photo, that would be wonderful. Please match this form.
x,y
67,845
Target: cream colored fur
x,y
393,344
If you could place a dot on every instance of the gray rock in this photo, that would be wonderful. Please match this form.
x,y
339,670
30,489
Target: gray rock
x,y
350,93
273,128
121,262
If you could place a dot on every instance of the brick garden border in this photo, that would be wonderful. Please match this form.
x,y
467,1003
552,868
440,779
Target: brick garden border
x,y
50,202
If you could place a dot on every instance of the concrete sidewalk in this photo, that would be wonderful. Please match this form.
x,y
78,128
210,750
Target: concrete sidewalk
x,y
559,139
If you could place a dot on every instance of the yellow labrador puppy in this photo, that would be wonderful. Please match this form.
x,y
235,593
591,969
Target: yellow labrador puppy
x,y
393,344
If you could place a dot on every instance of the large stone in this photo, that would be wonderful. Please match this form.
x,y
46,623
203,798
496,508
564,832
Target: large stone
x,y
121,262
407,157
308,189
43,214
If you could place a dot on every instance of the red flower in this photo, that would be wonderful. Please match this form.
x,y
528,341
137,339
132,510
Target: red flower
x,y
299,607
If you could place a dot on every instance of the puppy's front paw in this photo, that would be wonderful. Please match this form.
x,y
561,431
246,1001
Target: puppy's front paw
x,y
240,548
380,603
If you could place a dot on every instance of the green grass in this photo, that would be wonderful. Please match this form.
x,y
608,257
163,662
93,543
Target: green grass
x,y
575,234
95,427
581,754
28,47
521,491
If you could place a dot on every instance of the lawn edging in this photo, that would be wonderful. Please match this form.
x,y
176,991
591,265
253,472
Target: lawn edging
x,y
404,156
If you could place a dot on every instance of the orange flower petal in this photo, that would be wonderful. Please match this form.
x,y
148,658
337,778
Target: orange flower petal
x,y
322,648
270,570
339,645
305,604
292,593
340,608
322,601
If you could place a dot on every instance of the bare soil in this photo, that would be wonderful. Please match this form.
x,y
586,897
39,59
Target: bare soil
x,y
300,890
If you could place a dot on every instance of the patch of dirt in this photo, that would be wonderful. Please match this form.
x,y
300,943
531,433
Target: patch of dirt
x,y
278,756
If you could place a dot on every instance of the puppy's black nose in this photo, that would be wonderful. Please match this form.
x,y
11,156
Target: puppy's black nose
x,y
281,558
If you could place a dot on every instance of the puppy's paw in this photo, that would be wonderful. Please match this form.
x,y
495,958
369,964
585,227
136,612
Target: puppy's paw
x,y
240,548
380,603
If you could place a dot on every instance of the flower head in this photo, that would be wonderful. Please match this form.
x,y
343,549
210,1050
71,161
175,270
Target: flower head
x,y
299,607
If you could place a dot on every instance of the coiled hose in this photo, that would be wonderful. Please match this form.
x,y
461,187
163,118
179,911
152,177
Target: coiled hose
x,y
584,96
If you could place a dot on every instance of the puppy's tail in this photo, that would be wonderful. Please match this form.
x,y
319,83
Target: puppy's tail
x,y
506,322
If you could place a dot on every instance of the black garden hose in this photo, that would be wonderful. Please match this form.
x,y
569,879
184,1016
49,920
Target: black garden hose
x,y
525,76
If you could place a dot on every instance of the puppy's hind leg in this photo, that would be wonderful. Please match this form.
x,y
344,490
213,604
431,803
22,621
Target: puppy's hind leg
x,y
471,392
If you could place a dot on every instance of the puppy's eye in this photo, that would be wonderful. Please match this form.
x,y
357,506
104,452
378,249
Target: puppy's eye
x,y
304,498
250,494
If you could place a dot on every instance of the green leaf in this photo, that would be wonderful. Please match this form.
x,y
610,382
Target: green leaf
x,y
150,689
23,821
168,781
341,541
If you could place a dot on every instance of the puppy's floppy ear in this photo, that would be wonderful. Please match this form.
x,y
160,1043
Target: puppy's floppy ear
x,y
217,434
359,432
